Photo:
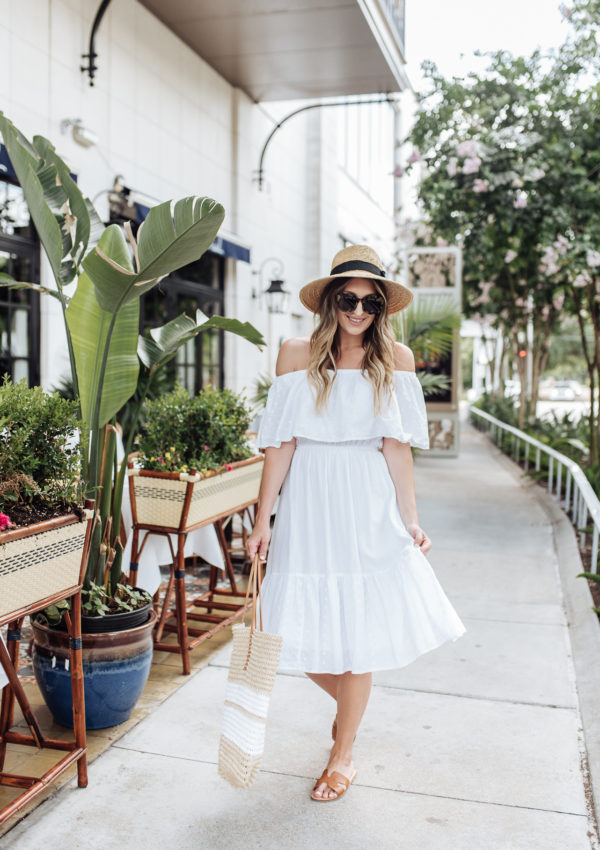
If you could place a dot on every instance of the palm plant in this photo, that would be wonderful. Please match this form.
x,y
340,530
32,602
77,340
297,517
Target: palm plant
x,y
429,325
110,269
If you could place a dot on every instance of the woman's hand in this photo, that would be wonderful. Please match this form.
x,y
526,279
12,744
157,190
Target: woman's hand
x,y
258,540
420,538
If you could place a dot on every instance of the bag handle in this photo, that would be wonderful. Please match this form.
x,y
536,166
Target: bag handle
x,y
254,588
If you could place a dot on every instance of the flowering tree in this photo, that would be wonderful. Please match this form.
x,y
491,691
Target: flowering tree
x,y
511,168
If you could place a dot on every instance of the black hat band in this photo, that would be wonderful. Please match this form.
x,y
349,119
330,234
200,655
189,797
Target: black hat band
x,y
356,266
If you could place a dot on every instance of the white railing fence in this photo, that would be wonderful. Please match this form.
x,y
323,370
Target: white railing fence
x,y
567,482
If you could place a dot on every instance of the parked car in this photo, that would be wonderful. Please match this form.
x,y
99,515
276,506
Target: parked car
x,y
565,391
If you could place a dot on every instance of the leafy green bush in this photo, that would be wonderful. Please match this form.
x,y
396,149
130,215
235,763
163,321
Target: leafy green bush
x,y
40,457
204,432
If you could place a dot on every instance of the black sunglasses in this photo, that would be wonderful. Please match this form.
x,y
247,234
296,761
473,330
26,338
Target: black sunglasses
x,y
348,301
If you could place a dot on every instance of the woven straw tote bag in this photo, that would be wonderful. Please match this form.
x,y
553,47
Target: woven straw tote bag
x,y
254,662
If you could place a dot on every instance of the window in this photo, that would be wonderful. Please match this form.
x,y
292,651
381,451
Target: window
x,y
19,308
198,286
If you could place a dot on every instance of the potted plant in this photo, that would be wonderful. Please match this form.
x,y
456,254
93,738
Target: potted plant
x,y
42,532
110,269
195,463
44,543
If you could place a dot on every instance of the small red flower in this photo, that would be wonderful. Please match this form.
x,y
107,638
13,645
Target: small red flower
x,y
5,522
229,466
206,448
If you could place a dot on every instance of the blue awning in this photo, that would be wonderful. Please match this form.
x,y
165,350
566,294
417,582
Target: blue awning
x,y
7,170
225,246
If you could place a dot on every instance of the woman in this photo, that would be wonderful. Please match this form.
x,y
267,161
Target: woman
x,y
347,584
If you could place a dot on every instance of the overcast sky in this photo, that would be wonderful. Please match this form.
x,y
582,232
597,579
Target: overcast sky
x,y
443,29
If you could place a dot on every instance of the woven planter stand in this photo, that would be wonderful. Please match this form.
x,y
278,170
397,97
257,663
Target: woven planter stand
x,y
166,503
40,565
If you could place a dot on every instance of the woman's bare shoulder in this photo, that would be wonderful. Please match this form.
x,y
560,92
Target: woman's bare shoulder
x,y
293,355
404,359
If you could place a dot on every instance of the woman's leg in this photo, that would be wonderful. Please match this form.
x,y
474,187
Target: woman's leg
x,y
353,692
327,681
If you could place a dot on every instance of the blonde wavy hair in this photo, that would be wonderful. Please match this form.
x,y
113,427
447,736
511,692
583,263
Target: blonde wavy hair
x,y
378,360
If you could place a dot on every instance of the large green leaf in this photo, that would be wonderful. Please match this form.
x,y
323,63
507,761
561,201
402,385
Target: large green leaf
x,y
104,343
89,326
7,281
162,344
24,163
78,205
173,235
59,211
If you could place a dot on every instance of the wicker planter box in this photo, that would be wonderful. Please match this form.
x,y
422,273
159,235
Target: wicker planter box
x,y
182,502
40,561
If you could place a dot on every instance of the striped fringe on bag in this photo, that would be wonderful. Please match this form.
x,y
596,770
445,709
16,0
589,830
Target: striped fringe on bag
x,y
254,662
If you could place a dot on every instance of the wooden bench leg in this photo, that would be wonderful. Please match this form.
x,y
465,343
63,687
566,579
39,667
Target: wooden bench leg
x,y
181,607
9,659
77,691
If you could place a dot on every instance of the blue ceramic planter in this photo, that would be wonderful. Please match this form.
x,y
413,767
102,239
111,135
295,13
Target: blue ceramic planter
x,y
115,669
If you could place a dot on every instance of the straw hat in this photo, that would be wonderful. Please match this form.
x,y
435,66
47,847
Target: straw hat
x,y
357,261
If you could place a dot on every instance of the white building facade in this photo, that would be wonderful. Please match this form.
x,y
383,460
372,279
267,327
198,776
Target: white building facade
x,y
185,95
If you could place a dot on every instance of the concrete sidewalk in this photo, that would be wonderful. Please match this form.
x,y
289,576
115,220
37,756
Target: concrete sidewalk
x,y
476,745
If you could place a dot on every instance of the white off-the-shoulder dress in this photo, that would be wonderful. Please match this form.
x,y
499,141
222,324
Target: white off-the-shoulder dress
x,y
345,585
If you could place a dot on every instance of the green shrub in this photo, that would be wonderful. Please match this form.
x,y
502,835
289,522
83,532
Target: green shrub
x,y
203,432
40,459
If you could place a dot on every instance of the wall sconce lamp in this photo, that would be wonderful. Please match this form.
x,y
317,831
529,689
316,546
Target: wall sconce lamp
x,y
81,134
277,296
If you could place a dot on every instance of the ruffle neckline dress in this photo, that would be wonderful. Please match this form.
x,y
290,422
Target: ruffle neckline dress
x,y
345,586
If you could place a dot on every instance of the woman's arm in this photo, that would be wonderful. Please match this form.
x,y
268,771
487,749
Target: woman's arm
x,y
275,468
399,459
276,465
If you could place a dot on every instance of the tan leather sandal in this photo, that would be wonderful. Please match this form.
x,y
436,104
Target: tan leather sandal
x,y
334,729
336,781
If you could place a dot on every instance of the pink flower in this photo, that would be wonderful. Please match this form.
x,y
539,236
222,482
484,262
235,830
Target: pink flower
x,y
471,165
467,148
510,256
520,203
206,448
229,466
592,258
481,185
5,522
581,280
398,171
452,166
415,156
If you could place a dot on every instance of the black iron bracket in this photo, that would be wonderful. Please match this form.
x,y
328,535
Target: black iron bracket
x,y
385,99
91,67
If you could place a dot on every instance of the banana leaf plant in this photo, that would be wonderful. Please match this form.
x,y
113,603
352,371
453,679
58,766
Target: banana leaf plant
x,y
110,269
